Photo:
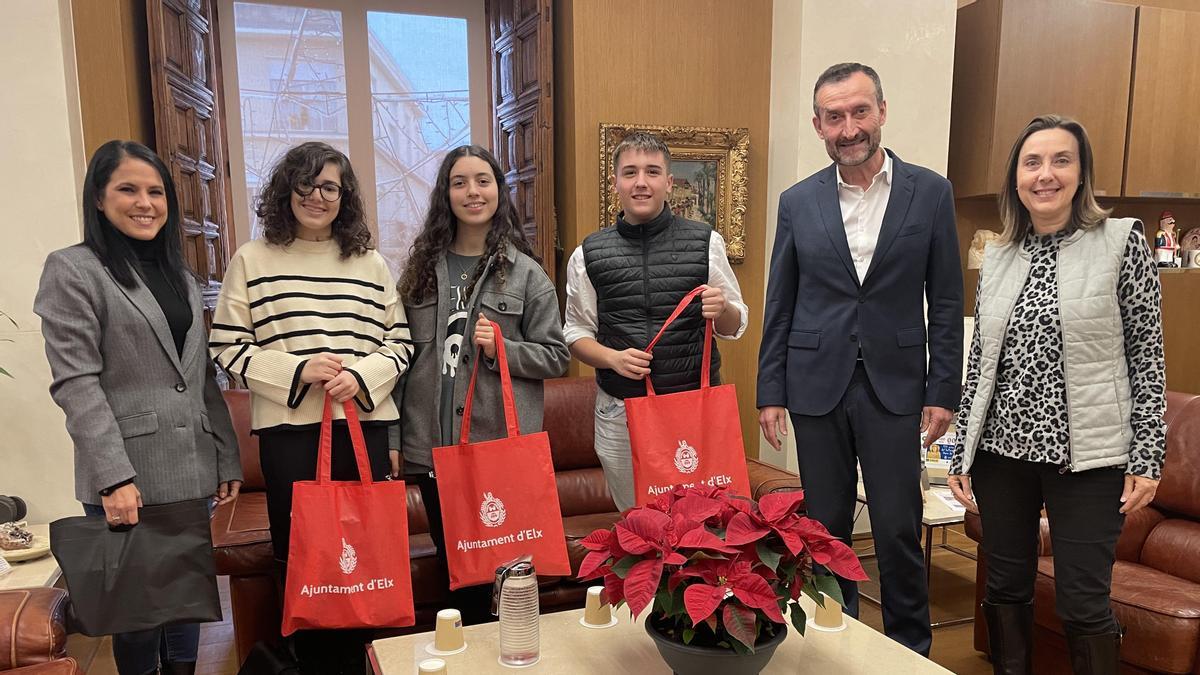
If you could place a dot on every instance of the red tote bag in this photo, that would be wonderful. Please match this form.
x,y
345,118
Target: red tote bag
x,y
690,438
499,498
348,566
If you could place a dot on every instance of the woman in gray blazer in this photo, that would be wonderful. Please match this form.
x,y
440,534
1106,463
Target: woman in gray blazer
x,y
121,317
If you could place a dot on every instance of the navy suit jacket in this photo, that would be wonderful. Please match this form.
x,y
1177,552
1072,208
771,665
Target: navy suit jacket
x,y
818,316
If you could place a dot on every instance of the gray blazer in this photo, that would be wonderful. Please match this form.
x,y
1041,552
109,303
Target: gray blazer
x,y
526,308
134,408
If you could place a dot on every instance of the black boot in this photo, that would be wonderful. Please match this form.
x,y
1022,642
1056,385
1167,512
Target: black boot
x,y
1010,635
178,668
1095,654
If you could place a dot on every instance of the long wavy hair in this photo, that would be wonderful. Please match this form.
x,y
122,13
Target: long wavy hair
x,y
1086,212
419,279
103,238
303,163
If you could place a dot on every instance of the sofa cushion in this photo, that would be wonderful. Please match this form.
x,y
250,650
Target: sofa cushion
x,y
1179,491
583,491
1174,547
1137,527
1160,614
570,402
65,666
32,626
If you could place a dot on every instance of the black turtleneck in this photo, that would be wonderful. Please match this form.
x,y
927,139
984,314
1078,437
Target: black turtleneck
x,y
647,229
174,306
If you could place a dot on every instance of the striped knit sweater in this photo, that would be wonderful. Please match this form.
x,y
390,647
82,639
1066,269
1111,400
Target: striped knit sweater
x,y
281,305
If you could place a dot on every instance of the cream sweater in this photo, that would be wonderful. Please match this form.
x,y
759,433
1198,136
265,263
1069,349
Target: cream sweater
x,y
281,305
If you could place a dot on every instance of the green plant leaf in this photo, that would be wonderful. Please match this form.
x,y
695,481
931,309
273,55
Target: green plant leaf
x,y
688,634
828,584
810,590
770,558
621,569
664,600
799,618
5,372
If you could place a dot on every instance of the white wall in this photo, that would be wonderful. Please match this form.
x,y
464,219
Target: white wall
x,y
910,44
41,141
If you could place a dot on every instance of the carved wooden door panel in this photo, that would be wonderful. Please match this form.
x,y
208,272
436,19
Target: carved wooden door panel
x,y
522,38
184,74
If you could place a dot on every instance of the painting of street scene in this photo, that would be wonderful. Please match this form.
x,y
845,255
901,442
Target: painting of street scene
x,y
694,190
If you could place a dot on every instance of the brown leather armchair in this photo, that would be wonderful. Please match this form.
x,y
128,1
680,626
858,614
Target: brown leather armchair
x,y
1156,579
33,634
242,543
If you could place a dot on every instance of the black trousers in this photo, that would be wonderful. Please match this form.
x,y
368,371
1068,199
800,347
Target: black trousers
x,y
473,602
290,455
1085,522
860,429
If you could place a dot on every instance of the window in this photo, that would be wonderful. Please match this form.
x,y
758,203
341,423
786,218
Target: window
x,y
392,89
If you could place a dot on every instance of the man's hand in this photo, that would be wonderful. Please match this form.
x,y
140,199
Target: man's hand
x,y
773,420
485,336
961,487
121,507
631,363
321,368
394,460
712,303
342,387
227,491
1139,491
934,422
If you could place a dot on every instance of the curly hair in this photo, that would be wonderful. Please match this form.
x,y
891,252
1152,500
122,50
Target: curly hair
x,y
419,279
303,163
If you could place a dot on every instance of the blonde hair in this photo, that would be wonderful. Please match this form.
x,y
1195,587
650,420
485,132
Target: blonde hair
x,y
1086,213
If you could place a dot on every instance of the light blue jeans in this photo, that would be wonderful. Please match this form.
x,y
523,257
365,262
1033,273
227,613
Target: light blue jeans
x,y
613,450
139,652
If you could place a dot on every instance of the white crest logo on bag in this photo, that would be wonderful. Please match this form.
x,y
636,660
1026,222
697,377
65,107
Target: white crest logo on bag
x,y
348,560
686,459
491,511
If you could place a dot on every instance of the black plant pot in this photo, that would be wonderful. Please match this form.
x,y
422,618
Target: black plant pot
x,y
693,660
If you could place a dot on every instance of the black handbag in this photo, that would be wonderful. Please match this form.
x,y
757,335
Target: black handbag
x,y
157,572
265,659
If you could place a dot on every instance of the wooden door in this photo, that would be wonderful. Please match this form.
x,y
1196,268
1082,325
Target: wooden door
x,y
1163,159
184,77
522,76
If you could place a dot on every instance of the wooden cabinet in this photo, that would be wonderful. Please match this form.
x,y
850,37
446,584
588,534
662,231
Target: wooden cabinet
x,y
1016,59
1164,139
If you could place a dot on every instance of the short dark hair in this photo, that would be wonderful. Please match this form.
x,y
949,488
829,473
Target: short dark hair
x,y
839,72
644,141
303,163
103,238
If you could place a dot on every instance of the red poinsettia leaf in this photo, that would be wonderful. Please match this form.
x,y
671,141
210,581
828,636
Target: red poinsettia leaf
x,y
779,504
839,558
754,591
697,508
743,529
812,530
592,565
642,583
600,540
703,539
701,600
642,530
675,579
673,558
614,589
792,539
740,623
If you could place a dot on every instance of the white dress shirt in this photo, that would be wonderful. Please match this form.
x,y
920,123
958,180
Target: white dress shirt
x,y
582,320
862,214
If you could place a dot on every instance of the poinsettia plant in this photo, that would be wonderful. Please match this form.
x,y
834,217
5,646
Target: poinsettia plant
x,y
716,569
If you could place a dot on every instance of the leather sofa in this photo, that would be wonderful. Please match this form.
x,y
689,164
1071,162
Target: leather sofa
x,y
1156,579
242,544
33,634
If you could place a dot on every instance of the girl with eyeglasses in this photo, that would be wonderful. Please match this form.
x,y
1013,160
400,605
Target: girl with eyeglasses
x,y
307,310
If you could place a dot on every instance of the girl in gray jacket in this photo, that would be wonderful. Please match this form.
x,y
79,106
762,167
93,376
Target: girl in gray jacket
x,y
470,265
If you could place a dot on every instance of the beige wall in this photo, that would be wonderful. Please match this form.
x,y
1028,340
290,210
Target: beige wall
x,y
910,44
42,139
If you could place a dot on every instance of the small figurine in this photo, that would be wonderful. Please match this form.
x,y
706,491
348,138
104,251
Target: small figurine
x,y
978,243
1166,246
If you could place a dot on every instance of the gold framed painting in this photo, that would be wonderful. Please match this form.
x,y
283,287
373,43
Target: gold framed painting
x,y
708,168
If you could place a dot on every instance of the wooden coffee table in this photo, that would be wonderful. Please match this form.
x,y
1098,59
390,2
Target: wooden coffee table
x,y
569,648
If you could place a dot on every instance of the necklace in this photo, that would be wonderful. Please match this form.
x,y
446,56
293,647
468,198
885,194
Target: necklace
x,y
462,272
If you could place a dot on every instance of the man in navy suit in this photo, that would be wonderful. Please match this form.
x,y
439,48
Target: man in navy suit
x,y
859,244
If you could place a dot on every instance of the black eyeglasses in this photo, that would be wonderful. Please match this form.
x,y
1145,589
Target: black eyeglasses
x,y
330,192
